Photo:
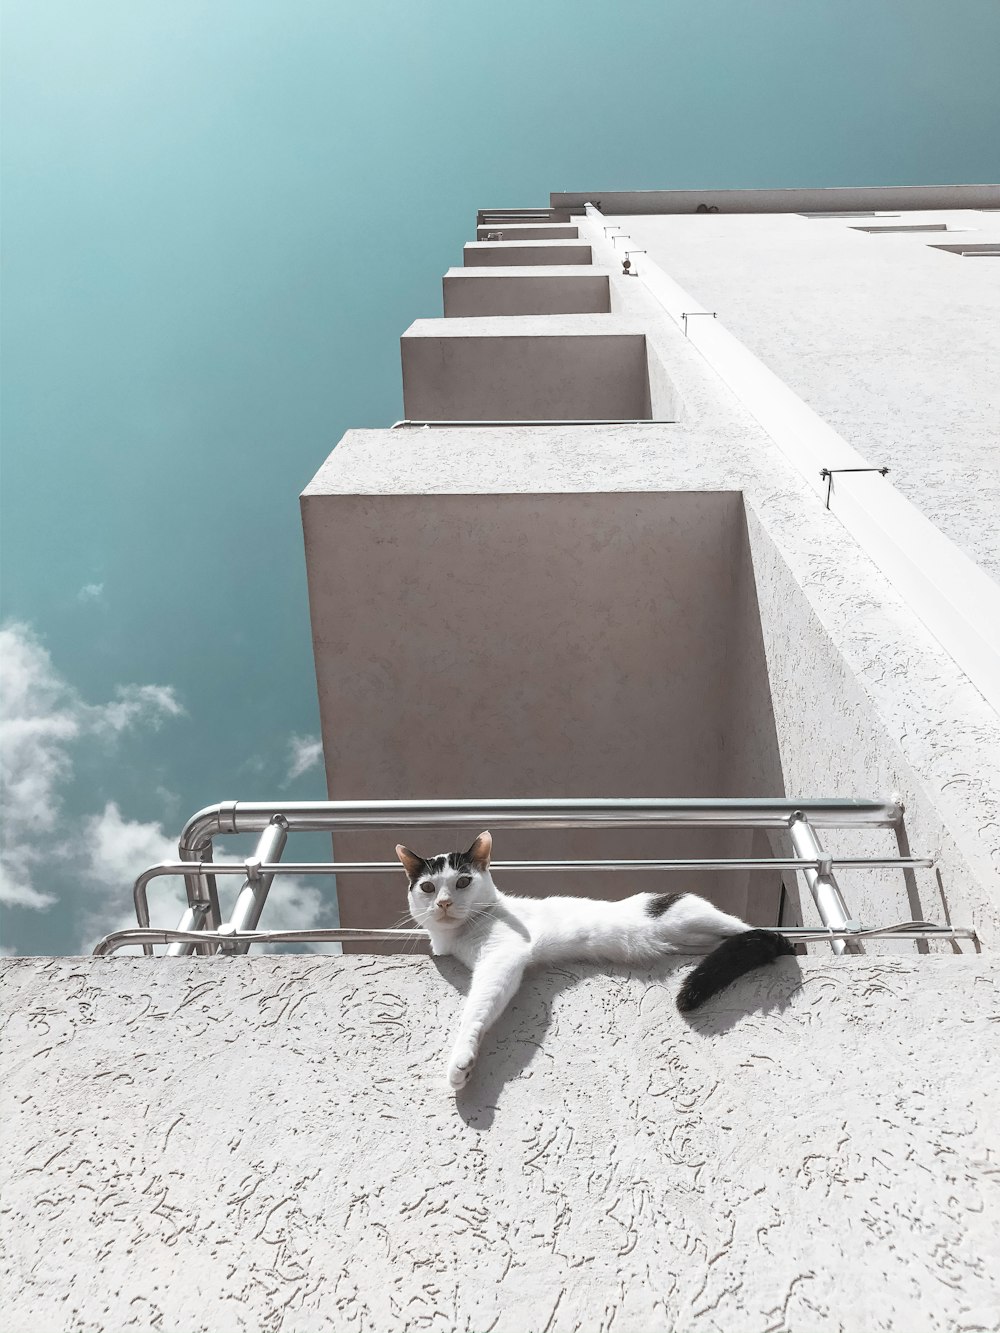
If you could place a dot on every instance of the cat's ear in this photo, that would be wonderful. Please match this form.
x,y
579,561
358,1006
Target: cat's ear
x,y
479,853
412,863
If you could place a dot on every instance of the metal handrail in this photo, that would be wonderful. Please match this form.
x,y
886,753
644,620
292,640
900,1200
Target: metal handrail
x,y
548,813
201,925
121,939
167,868
562,813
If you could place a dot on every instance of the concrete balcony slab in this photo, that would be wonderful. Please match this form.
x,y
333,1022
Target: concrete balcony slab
x,y
505,253
558,290
527,368
529,231
498,216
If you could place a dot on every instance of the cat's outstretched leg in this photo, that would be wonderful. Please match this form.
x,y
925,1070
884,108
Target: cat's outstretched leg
x,y
494,984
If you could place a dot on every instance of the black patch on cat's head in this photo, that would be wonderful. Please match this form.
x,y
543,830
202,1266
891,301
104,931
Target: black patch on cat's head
x,y
477,857
449,861
662,903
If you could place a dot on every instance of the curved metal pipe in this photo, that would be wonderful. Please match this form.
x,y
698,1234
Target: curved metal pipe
x,y
195,844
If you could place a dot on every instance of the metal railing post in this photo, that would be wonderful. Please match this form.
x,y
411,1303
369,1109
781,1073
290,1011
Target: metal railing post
x,y
253,895
822,884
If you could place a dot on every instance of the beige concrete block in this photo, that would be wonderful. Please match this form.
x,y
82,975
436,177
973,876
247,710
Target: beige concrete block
x,y
505,253
556,290
569,367
527,231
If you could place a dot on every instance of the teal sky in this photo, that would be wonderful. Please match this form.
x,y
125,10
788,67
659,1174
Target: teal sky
x,y
218,217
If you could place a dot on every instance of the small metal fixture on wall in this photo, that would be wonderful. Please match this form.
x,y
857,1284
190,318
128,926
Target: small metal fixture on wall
x,y
828,474
687,314
627,270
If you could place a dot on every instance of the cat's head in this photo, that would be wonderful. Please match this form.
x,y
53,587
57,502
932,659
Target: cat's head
x,y
446,890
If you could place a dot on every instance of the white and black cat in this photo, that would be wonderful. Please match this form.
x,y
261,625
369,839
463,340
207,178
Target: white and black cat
x,y
497,937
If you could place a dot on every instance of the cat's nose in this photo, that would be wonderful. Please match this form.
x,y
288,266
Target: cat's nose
x,y
444,903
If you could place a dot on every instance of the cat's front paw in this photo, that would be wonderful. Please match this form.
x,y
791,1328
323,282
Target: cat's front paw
x,y
460,1066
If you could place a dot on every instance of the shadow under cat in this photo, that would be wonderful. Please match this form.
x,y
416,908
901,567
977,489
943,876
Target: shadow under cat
x,y
517,1039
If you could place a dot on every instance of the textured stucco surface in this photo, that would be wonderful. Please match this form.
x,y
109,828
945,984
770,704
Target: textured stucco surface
x,y
893,342
264,1143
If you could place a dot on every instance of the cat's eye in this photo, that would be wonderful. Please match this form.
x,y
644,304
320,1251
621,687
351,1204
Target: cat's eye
x,y
463,882
428,886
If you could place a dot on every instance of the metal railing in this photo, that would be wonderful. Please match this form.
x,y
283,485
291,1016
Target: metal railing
x,y
202,930
488,217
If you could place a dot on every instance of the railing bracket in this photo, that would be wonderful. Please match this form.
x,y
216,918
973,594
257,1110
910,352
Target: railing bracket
x,y
828,474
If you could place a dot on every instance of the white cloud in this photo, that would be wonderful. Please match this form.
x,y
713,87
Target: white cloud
x,y
305,752
118,849
90,592
41,718
133,704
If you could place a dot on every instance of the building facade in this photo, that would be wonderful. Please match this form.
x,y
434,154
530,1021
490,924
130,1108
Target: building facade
x,y
633,539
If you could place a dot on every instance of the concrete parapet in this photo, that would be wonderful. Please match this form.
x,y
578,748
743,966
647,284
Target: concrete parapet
x,y
506,253
528,231
553,367
557,290
261,1143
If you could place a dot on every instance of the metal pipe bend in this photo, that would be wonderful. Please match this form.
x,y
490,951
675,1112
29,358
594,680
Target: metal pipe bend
x,y
201,828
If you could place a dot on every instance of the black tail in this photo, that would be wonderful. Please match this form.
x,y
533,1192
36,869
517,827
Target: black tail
x,y
734,957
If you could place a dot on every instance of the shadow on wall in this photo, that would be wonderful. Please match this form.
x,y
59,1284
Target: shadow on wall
x,y
518,1038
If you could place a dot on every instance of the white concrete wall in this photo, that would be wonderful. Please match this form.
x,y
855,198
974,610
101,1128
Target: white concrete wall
x,y
218,1146
894,343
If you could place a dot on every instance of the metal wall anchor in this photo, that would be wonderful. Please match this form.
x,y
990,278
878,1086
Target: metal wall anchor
x,y
687,314
828,474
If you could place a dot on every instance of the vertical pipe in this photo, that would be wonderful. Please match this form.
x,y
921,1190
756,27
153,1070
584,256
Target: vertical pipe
x,y
822,884
202,894
193,918
253,895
